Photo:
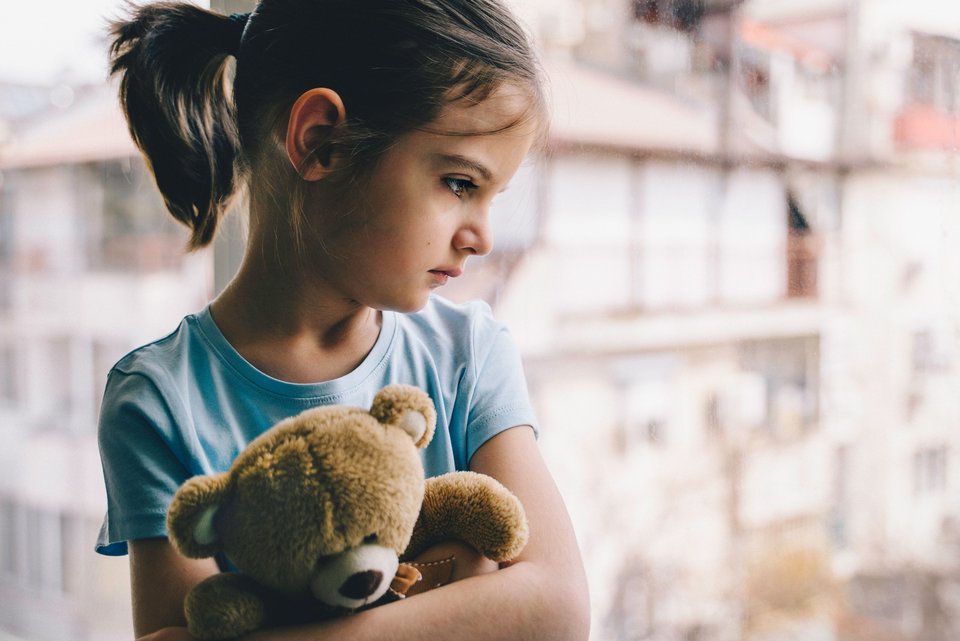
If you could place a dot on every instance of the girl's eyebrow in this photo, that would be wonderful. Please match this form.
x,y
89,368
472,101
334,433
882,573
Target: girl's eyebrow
x,y
466,163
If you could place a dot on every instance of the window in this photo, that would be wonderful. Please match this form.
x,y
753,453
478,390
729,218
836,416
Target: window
x,y
673,258
684,15
8,536
6,226
931,102
41,550
935,74
930,470
789,369
802,258
633,617
712,415
841,497
30,547
53,363
647,412
7,242
8,375
646,11
755,78
135,232
932,351
751,236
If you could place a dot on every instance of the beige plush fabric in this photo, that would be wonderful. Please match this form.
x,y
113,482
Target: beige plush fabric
x,y
321,484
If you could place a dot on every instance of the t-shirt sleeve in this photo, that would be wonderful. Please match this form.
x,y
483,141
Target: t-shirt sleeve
x,y
141,470
500,397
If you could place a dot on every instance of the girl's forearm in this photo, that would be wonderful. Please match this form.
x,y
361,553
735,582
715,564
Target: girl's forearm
x,y
543,597
519,603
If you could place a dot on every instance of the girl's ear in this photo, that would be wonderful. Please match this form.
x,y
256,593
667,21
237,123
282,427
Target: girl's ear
x,y
191,516
312,119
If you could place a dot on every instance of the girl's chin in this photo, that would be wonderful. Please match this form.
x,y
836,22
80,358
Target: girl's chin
x,y
408,305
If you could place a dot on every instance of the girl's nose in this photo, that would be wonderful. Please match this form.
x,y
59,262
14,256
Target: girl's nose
x,y
475,238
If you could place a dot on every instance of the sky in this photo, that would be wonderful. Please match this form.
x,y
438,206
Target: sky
x,y
47,41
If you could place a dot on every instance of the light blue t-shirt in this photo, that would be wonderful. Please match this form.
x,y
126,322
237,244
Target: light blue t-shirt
x,y
187,404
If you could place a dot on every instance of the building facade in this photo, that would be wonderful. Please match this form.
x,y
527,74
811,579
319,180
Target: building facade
x,y
733,277
89,269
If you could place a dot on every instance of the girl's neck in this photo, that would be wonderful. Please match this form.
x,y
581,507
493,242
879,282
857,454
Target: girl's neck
x,y
292,328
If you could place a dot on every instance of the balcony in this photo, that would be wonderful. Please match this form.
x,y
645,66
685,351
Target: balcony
x,y
920,127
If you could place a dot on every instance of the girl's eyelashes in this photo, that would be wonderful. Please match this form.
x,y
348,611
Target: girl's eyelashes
x,y
459,186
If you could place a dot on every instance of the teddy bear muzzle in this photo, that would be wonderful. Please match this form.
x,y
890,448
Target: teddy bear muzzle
x,y
356,577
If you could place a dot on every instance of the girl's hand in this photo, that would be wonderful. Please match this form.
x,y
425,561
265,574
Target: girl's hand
x,y
467,561
168,634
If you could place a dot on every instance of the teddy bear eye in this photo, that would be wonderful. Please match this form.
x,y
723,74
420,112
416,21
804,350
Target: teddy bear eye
x,y
370,538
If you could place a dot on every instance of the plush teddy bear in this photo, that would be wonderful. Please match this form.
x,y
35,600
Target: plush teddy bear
x,y
317,513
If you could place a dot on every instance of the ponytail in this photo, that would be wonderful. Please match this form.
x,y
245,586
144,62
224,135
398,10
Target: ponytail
x,y
171,59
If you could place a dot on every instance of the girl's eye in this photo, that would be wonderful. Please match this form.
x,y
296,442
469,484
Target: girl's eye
x,y
459,186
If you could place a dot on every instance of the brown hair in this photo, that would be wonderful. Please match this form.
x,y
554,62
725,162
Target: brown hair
x,y
395,64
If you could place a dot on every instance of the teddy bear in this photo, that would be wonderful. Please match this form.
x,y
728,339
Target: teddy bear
x,y
321,514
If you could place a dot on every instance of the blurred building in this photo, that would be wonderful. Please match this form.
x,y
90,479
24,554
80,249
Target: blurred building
x,y
738,310
89,268
733,276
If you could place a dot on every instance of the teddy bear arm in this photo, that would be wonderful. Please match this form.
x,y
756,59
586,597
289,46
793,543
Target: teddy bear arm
x,y
472,508
225,606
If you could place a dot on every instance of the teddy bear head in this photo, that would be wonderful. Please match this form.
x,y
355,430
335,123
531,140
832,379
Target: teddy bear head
x,y
323,502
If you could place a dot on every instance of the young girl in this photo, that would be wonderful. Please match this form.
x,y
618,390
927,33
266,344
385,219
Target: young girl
x,y
370,137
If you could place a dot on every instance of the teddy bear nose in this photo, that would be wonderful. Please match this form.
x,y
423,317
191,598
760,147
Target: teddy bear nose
x,y
361,585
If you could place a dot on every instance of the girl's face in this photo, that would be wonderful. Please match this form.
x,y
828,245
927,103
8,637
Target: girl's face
x,y
425,207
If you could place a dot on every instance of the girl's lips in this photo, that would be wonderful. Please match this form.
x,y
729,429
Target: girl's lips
x,y
453,272
441,276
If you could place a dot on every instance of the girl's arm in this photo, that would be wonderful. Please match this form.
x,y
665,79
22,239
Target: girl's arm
x,y
540,597
160,578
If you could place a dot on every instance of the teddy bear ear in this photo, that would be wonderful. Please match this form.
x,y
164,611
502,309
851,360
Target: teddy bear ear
x,y
191,515
408,408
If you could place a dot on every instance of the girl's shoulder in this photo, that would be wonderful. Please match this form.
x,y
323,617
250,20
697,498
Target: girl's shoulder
x,y
454,336
165,355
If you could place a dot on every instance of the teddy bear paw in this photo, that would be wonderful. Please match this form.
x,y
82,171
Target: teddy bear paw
x,y
221,608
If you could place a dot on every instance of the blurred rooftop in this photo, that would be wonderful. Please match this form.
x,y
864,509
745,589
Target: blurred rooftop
x,y
90,128
597,107
591,107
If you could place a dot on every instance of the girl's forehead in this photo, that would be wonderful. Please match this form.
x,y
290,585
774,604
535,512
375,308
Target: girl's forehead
x,y
506,107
